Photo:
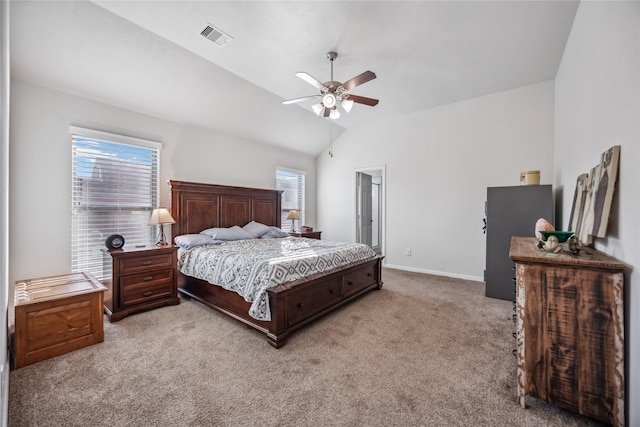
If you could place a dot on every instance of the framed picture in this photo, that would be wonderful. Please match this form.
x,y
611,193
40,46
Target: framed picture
x,y
604,193
575,220
593,197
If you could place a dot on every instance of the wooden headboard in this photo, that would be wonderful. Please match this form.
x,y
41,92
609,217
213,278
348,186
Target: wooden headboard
x,y
197,206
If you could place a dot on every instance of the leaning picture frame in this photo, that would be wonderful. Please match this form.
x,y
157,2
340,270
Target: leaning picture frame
x,y
593,197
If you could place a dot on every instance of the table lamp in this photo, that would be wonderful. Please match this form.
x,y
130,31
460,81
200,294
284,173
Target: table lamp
x,y
293,215
161,216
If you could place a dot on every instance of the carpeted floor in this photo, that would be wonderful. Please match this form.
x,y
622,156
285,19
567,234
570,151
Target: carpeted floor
x,y
423,351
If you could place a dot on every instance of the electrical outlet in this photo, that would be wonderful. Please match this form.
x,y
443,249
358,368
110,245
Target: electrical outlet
x,y
408,252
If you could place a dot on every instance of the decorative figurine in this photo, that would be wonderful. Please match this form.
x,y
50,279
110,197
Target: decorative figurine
x,y
550,245
574,245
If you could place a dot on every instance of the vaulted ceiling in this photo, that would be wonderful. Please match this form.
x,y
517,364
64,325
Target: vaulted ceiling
x,y
149,56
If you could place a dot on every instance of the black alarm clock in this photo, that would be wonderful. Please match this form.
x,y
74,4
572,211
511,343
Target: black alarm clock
x,y
115,241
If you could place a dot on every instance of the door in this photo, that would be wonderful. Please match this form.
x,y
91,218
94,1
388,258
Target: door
x,y
365,208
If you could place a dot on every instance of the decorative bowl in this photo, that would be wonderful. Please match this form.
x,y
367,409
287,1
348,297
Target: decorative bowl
x,y
562,236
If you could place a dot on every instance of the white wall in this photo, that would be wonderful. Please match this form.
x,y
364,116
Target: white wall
x,y
40,190
439,164
597,105
4,208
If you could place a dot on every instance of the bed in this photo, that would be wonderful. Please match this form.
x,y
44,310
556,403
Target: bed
x,y
197,207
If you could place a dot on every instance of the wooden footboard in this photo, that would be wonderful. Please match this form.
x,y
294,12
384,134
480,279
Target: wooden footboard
x,y
294,304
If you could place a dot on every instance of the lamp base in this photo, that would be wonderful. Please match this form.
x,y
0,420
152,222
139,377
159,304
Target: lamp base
x,y
162,239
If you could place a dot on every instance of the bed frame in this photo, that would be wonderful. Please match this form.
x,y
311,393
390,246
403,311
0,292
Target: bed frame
x,y
196,207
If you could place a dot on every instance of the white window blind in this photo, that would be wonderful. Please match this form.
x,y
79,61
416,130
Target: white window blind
x,y
115,186
291,183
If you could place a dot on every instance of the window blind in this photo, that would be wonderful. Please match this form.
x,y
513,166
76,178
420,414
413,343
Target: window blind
x,y
115,186
291,183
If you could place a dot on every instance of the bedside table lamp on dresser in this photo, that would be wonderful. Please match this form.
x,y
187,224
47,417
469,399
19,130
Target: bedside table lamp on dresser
x,y
293,215
160,217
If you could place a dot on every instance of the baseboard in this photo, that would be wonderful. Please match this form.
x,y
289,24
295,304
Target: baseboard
x,y
435,273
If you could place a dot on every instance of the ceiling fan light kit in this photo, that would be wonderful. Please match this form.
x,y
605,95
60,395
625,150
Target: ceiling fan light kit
x,y
333,93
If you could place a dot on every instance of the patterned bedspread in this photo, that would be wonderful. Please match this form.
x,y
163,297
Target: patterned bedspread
x,y
250,267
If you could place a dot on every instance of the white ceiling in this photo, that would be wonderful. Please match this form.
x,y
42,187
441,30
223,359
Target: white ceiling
x,y
149,56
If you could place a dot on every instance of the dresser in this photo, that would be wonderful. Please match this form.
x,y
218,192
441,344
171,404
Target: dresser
x,y
140,279
570,329
55,315
307,234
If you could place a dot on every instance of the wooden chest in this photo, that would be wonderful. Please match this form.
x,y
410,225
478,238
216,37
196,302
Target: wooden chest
x,y
56,315
570,329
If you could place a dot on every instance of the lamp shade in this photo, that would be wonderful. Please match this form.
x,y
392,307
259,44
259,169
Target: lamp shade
x,y
347,104
161,216
317,108
293,214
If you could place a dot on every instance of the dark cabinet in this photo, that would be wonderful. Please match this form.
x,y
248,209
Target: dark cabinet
x,y
511,211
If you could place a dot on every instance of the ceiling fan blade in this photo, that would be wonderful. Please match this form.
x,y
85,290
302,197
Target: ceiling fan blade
x,y
363,100
311,80
358,80
327,111
304,98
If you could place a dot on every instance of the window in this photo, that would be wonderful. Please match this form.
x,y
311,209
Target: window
x,y
291,183
115,184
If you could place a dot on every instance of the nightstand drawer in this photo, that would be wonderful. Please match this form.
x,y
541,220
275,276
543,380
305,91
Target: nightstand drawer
x,y
142,263
143,287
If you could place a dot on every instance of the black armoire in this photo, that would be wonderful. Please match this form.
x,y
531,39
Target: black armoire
x,y
511,211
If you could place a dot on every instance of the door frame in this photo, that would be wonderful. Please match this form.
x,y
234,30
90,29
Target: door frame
x,y
379,170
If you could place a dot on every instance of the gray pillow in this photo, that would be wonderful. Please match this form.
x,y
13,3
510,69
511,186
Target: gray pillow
x,y
274,233
231,233
188,241
256,229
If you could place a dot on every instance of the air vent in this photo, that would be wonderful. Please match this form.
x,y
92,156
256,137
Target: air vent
x,y
215,35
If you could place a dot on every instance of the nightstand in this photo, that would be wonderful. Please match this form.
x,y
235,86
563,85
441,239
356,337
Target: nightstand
x,y
308,234
141,279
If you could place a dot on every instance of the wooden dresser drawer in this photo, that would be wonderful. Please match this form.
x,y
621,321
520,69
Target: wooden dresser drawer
x,y
145,262
310,301
357,280
143,287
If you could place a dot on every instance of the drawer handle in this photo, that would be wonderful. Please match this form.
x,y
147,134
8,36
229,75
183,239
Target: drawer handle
x,y
148,278
148,293
369,274
332,291
300,305
147,263
350,283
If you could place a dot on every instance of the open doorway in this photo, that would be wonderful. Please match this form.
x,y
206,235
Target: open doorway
x,y
370,207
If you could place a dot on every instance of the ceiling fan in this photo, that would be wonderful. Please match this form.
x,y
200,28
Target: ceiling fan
x,y
334,93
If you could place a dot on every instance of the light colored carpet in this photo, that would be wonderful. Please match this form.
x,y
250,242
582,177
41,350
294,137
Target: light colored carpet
x,y
424,350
